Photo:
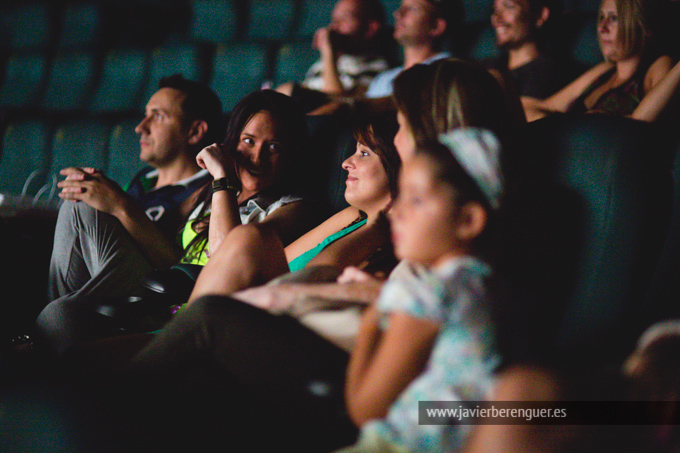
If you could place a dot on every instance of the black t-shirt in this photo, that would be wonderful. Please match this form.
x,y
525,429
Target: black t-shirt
x,y
540,78
162,205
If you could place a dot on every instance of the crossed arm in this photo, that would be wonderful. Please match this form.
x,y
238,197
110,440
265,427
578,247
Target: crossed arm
x,y
661,83
93,188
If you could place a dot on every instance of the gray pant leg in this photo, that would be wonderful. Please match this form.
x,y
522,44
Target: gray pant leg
x,y
94,258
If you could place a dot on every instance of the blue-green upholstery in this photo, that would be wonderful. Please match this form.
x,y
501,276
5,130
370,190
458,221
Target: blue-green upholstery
x,y
70,81
185,59
123,152
25,26
121,82
586,232
80,143
270,19
24,79
238,69
293,59
24,151
81,26
213,21
314,14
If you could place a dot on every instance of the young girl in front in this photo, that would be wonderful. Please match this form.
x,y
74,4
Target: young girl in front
x,y
430,336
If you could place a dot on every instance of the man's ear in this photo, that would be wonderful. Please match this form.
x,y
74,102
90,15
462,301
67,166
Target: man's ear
x,y
542,17
197,131
472,219
372,29
438,28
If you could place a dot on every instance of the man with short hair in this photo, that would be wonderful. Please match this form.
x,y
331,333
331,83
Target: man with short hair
x,y
350,54
107,239
421,28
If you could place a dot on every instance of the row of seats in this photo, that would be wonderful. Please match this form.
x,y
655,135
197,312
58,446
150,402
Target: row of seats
x,y
33,150
122,79
77,23
112,145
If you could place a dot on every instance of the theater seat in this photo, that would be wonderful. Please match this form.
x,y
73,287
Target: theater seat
x,y
331,143
185,59
314,14
81,25
24,78
663,300
238,69
19,168
121,82
293,59
25,27
123,152
70,81
213,21
80,143
270,20
586,233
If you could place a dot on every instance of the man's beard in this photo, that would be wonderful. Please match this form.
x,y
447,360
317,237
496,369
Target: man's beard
x,y
349,44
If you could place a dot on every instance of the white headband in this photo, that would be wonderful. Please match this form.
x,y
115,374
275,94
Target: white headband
x,y
670,327
478,152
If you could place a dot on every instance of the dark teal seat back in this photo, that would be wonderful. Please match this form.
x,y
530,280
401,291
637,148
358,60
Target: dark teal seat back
x,y
663,300
588,231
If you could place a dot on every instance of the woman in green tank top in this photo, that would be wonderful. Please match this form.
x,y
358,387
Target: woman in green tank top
x,y
252,255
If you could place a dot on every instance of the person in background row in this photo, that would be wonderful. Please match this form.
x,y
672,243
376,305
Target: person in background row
x,y
624,83
351,51
522,33
421,28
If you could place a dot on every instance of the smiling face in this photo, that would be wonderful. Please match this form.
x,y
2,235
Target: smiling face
x,y
367,182
163,132
512,22
608,31
423,218
261,157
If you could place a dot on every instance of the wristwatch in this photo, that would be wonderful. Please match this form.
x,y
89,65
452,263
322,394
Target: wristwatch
x,y
222,184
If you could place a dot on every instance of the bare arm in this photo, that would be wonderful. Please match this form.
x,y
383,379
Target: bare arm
x,y
385,362
224,214
364,105
93,188
560,101
329,59
661,83
280,297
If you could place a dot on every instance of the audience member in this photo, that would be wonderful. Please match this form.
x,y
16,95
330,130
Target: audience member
x,y
455,93
522,28
421,28
623,84
351,54
252,176
430,337
349,237
276,356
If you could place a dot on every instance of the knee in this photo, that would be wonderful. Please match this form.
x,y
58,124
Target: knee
x,y
211,309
